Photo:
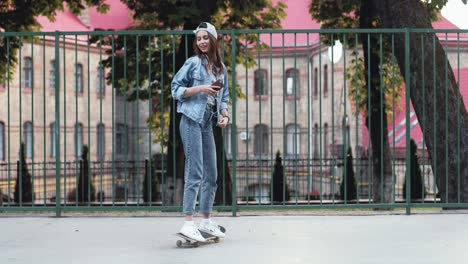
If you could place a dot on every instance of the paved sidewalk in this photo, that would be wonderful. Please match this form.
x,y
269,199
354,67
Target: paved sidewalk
x,y
426,238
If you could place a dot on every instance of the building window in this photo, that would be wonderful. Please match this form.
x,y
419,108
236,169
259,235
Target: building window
x,y
52,74
260,85
28,72
101,85
316,142
292,140
325,140
100,142
2,141
227,140
325,80
28,139
292,82
52,140
121,139
261,140
79,78
315,82
78,140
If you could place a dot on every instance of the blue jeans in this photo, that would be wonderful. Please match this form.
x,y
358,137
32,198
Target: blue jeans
x,y
200,162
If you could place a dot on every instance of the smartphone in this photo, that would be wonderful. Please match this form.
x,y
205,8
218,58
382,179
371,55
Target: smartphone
x,y
218,83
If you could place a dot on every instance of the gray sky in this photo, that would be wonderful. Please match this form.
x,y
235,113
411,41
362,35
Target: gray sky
x,y
456,12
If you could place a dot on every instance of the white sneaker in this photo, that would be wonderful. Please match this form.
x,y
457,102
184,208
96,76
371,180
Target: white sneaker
x,y
192,232
211,228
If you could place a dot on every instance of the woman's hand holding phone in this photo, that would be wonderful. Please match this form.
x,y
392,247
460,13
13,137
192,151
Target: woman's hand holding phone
x,y
217,85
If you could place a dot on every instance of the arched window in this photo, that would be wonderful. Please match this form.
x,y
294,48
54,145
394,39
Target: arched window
x,y
100,146
261,140
292,82
316,141
325,141
315,77
121,139
52,74
325,80
2,141
52,139
261,82
28,72
78,140
292,140
79,78
101,85
28,139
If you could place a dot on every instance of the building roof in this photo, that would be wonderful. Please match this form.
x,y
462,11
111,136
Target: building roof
x,y
298,17
117,17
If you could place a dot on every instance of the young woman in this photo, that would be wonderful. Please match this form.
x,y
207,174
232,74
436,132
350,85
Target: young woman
x,y
200,88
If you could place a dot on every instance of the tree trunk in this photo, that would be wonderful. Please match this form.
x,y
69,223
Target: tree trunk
x,y
376,121
444,125
174,189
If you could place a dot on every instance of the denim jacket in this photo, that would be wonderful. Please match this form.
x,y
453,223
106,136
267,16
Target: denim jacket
x,y
194,73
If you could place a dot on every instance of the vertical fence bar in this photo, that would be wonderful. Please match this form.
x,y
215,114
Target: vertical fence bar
x,y
9,121
271,121
358,156
407,113
309,123
78,83
58,210
247,160
23,148
150,107
44,171
113,94
163,177
137,84
64,120
234,124
284,123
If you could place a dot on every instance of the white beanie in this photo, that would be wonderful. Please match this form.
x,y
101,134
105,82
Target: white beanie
x,y
205,26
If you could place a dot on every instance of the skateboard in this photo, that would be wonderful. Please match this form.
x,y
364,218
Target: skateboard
x,y
189,242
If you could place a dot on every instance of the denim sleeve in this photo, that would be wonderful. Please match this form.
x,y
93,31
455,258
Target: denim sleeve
x,y
181,80
225,95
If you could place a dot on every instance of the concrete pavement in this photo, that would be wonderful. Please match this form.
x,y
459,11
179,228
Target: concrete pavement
x,y
425,238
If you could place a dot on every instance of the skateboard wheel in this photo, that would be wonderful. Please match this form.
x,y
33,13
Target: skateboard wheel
x,y
179,243
195,244
216,240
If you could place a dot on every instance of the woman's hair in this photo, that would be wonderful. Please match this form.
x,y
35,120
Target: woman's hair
x,y
213,55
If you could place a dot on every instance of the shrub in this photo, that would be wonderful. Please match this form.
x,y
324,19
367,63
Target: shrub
x,y
85,184
415,175
23,178
155,194
349,179
279,181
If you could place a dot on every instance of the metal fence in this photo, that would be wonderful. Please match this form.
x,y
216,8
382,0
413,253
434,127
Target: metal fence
x,y
71,99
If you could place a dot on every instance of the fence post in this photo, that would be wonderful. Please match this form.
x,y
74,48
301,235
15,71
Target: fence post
x,y
233,125
58,210
408,129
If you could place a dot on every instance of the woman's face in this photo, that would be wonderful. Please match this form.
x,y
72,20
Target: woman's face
x,y
203,41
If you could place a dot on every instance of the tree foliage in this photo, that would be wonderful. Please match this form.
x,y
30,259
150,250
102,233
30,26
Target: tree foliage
x,y
21,16
142,67
345,14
